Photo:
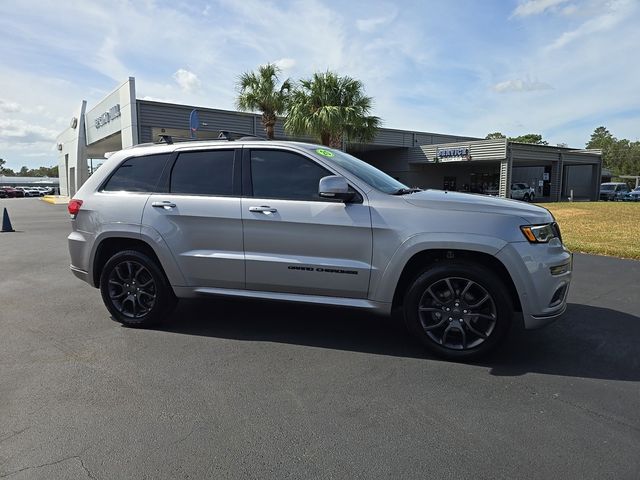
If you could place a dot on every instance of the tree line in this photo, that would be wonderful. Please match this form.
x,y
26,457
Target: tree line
x,y
28,172
621,156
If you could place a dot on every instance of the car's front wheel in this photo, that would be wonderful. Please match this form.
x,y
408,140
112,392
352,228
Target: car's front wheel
x,y
458,310
135,290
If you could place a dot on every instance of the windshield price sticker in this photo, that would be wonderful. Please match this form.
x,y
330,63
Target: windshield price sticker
x,y
324,153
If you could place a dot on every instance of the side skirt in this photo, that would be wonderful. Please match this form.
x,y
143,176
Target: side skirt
x,y
374,307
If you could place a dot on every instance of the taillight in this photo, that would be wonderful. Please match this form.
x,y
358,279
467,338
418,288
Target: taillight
x,y
74,206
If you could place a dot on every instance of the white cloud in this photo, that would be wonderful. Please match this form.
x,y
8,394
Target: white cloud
x,y
20,131
380,15
285,64
187,80
570,10
519,85
614,12
9,107
369,25
535,7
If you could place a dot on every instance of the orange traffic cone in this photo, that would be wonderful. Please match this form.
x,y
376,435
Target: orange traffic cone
x,y
6,223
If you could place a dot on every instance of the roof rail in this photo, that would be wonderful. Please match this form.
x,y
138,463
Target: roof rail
x,y
228,135
224,135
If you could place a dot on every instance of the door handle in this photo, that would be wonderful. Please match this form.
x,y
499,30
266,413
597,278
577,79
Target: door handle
x,y
165,204
263,209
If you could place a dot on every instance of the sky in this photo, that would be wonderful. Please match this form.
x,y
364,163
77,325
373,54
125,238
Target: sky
x,y
560,68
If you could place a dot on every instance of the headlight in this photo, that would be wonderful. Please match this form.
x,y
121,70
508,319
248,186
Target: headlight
x,y
541,233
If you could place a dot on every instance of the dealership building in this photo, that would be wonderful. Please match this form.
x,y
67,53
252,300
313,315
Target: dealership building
x,y
420,159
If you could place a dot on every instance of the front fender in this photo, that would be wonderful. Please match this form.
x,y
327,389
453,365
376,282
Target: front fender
x,y
384,286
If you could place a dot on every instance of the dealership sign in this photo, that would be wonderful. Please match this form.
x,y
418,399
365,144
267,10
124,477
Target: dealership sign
x,y
106,117
452,154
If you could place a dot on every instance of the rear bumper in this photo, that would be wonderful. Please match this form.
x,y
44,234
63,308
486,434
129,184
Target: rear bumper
x,y
81,274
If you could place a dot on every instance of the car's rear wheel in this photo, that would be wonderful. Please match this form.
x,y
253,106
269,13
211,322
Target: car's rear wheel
x,y
458,310
135,290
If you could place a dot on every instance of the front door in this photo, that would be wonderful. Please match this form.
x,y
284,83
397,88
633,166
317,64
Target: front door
x,y
294,240
199,217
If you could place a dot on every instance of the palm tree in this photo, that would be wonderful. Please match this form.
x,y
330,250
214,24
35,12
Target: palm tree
x,y
331,108
259,92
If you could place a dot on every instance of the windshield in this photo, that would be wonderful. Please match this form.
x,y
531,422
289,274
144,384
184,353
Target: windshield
x,y
365,172
606,188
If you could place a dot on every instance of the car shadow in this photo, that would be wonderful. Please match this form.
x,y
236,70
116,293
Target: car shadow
x,y
588,342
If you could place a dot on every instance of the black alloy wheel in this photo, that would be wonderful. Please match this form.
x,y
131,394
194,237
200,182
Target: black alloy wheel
x,y
135,290
459,310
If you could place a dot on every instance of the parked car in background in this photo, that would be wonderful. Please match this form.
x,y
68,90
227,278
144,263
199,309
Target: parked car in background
x,y
632,196
613,191
522,191
12,192
43,190
29,192
491,190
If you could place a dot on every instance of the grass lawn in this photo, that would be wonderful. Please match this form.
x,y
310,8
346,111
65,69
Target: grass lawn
x,y
603,228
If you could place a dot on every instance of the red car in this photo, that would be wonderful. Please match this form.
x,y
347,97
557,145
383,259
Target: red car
x,y
12,192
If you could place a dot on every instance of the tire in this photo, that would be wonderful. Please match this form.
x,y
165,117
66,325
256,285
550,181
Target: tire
x,y
526,197
440,321
135,290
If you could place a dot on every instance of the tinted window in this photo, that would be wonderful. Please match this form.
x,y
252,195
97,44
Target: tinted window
x,y
279,174
203,173
138,174
362,170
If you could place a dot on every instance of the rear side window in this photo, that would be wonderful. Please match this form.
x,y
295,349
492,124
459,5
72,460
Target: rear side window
x,y
137,174
285,175
203,173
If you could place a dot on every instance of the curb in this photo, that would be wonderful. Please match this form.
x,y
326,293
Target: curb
x,y
55,199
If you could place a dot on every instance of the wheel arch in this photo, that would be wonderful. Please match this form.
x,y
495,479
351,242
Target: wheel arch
x,y
108,246
425,258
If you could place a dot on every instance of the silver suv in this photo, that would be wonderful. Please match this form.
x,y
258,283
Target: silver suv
x,y
304,223
522,191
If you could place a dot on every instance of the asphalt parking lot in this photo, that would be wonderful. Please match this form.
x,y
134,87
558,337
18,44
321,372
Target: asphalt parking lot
x,y
229,389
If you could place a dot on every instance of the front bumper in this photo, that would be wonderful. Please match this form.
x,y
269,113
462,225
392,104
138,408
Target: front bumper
x,y
542,294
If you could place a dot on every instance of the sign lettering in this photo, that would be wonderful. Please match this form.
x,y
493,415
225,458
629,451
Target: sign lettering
x,y
106,117
453,153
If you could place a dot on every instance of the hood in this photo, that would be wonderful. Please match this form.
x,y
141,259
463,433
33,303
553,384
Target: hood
x,y
473,202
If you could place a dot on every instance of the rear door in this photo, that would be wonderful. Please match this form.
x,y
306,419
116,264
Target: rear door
x,y
198,216
295,241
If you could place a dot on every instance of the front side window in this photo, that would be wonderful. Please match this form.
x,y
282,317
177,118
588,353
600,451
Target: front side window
x,y
285,175
137,174
203,173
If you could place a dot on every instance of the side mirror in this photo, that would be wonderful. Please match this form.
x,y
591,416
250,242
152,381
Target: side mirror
x,y
335,186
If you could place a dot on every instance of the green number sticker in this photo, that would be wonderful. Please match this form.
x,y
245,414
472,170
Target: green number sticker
x,y
324,153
